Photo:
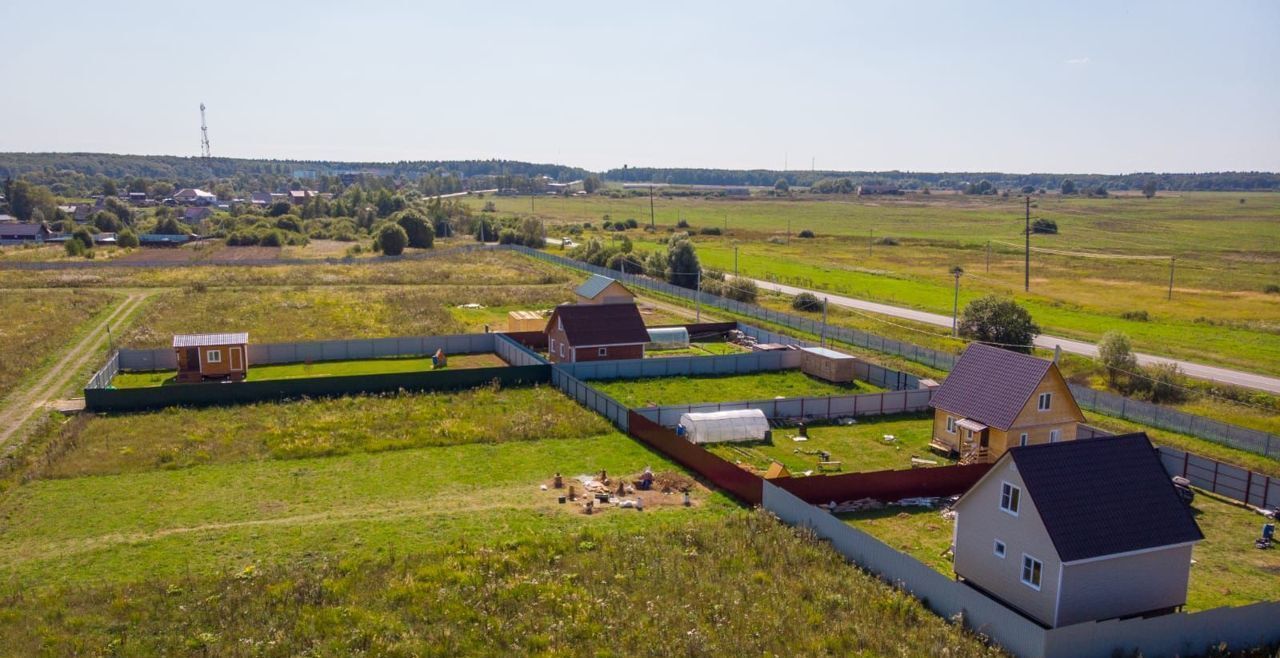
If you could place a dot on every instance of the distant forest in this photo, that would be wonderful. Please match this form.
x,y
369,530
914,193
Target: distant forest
x,y
1221,181
72,174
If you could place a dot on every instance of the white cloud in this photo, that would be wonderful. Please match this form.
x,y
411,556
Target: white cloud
x,y
1078,60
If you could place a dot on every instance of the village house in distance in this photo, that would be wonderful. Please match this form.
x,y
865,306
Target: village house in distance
x,y
603,290
1079,531
995,399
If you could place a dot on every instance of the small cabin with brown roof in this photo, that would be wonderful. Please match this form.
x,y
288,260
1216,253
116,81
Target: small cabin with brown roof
x,y
995,399
595,332
603,290
212,356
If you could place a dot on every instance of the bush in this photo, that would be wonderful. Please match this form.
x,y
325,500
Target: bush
x,y
421,235
887,241
127,239
806,301
631,223
272,239
74,247
1136,316
1271,289
83,236
1046,226
489,207
741,290
682,224
806,233
279,208
508,236
999,321
1162,384
392,240
1117,356
709,230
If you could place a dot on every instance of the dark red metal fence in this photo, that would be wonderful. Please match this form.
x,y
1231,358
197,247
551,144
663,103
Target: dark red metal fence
x,y
884,485
746,486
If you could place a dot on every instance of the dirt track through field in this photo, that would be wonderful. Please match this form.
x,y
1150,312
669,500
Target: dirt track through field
x,y
24,403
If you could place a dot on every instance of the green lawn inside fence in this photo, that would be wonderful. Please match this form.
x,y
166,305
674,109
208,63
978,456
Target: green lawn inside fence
x,y
1227,569
767,385
321,369
708,348
862,447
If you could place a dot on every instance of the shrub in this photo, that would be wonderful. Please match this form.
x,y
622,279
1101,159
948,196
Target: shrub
x,y
421,235
272,239
489,207
999,321
508,236
127,239
1271,289
1117,356
741,290
709,230
632,223
83,236
806,301
74,247
279,208
682,224
806,234
887,241
1163,384
1136,316
1046,226
392,240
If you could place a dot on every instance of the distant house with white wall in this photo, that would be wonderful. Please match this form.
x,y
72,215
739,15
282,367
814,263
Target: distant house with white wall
x,y
1079,531
995,399
603,290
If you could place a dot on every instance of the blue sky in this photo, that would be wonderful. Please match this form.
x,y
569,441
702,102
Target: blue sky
x,y
1077,87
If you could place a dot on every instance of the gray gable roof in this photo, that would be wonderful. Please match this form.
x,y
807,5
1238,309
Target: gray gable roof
x,y
1104,496
594,286
990,385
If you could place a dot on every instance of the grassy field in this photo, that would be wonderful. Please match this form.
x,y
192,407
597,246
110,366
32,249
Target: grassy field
x,y
859,448
178,438
1227,570
34,324
440,550
1226,251
709,348
729,388
322,369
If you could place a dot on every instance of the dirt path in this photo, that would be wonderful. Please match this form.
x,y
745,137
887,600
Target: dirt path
x,y
23,404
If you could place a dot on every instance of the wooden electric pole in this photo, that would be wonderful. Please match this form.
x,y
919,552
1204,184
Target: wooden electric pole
x,y
652,223
1172,260
1026,277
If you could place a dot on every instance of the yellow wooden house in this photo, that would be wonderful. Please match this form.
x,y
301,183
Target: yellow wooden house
x,y
995,399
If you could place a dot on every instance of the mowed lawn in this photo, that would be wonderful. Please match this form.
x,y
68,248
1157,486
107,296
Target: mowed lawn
x,y
723,388
322,369
861,447
1227,569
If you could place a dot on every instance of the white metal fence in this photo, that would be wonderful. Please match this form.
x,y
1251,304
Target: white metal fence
x,y
1101,402
685,366
1174,634
811,408
514,353
589,397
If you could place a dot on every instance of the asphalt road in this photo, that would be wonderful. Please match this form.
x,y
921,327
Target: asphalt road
x,y
1191,369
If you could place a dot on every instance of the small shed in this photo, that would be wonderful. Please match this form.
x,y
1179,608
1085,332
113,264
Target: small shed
x,y
525,321
827,364
212,356
725,426
668,338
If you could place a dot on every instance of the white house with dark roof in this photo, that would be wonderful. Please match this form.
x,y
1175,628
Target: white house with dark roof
x,y
1070,532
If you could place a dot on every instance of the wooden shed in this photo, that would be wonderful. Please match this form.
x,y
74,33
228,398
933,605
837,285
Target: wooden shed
x,y
525,321
212,356
827,364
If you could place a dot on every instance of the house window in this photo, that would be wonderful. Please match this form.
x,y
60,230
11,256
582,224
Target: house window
x,y
1022,440
1031,569
603,351
1054,435
1009,495
562,350
213,356
951,425
560,324
1046,399
999,549
553,346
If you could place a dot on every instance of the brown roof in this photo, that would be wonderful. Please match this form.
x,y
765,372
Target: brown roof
x,y
1104,496
990,385
600,324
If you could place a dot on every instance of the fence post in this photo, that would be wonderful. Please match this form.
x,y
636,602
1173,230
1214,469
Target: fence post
x,y
1186,457
1248,485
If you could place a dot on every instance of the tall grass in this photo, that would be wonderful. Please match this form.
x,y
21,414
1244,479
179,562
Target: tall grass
x,y
34,324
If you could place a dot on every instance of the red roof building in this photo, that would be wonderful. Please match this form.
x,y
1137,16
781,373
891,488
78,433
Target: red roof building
x,y
596,332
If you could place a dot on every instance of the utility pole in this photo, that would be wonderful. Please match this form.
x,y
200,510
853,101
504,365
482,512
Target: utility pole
x,y
988,257
652,225
822,340
1026,276
699,293
788,231
735,260
955,304
1172,260
871,239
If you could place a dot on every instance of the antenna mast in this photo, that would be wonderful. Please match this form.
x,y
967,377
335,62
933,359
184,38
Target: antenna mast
x,y
204,135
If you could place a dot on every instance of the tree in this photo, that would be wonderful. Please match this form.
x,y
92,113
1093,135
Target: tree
x,y
1068,186
1149,188
109,188
279,208
85,238
781,185
1116,355
682,264
170,226
806,301
106,222
421,235
26,199
120,209
533,233
392,240
999,321
590,184
127,239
